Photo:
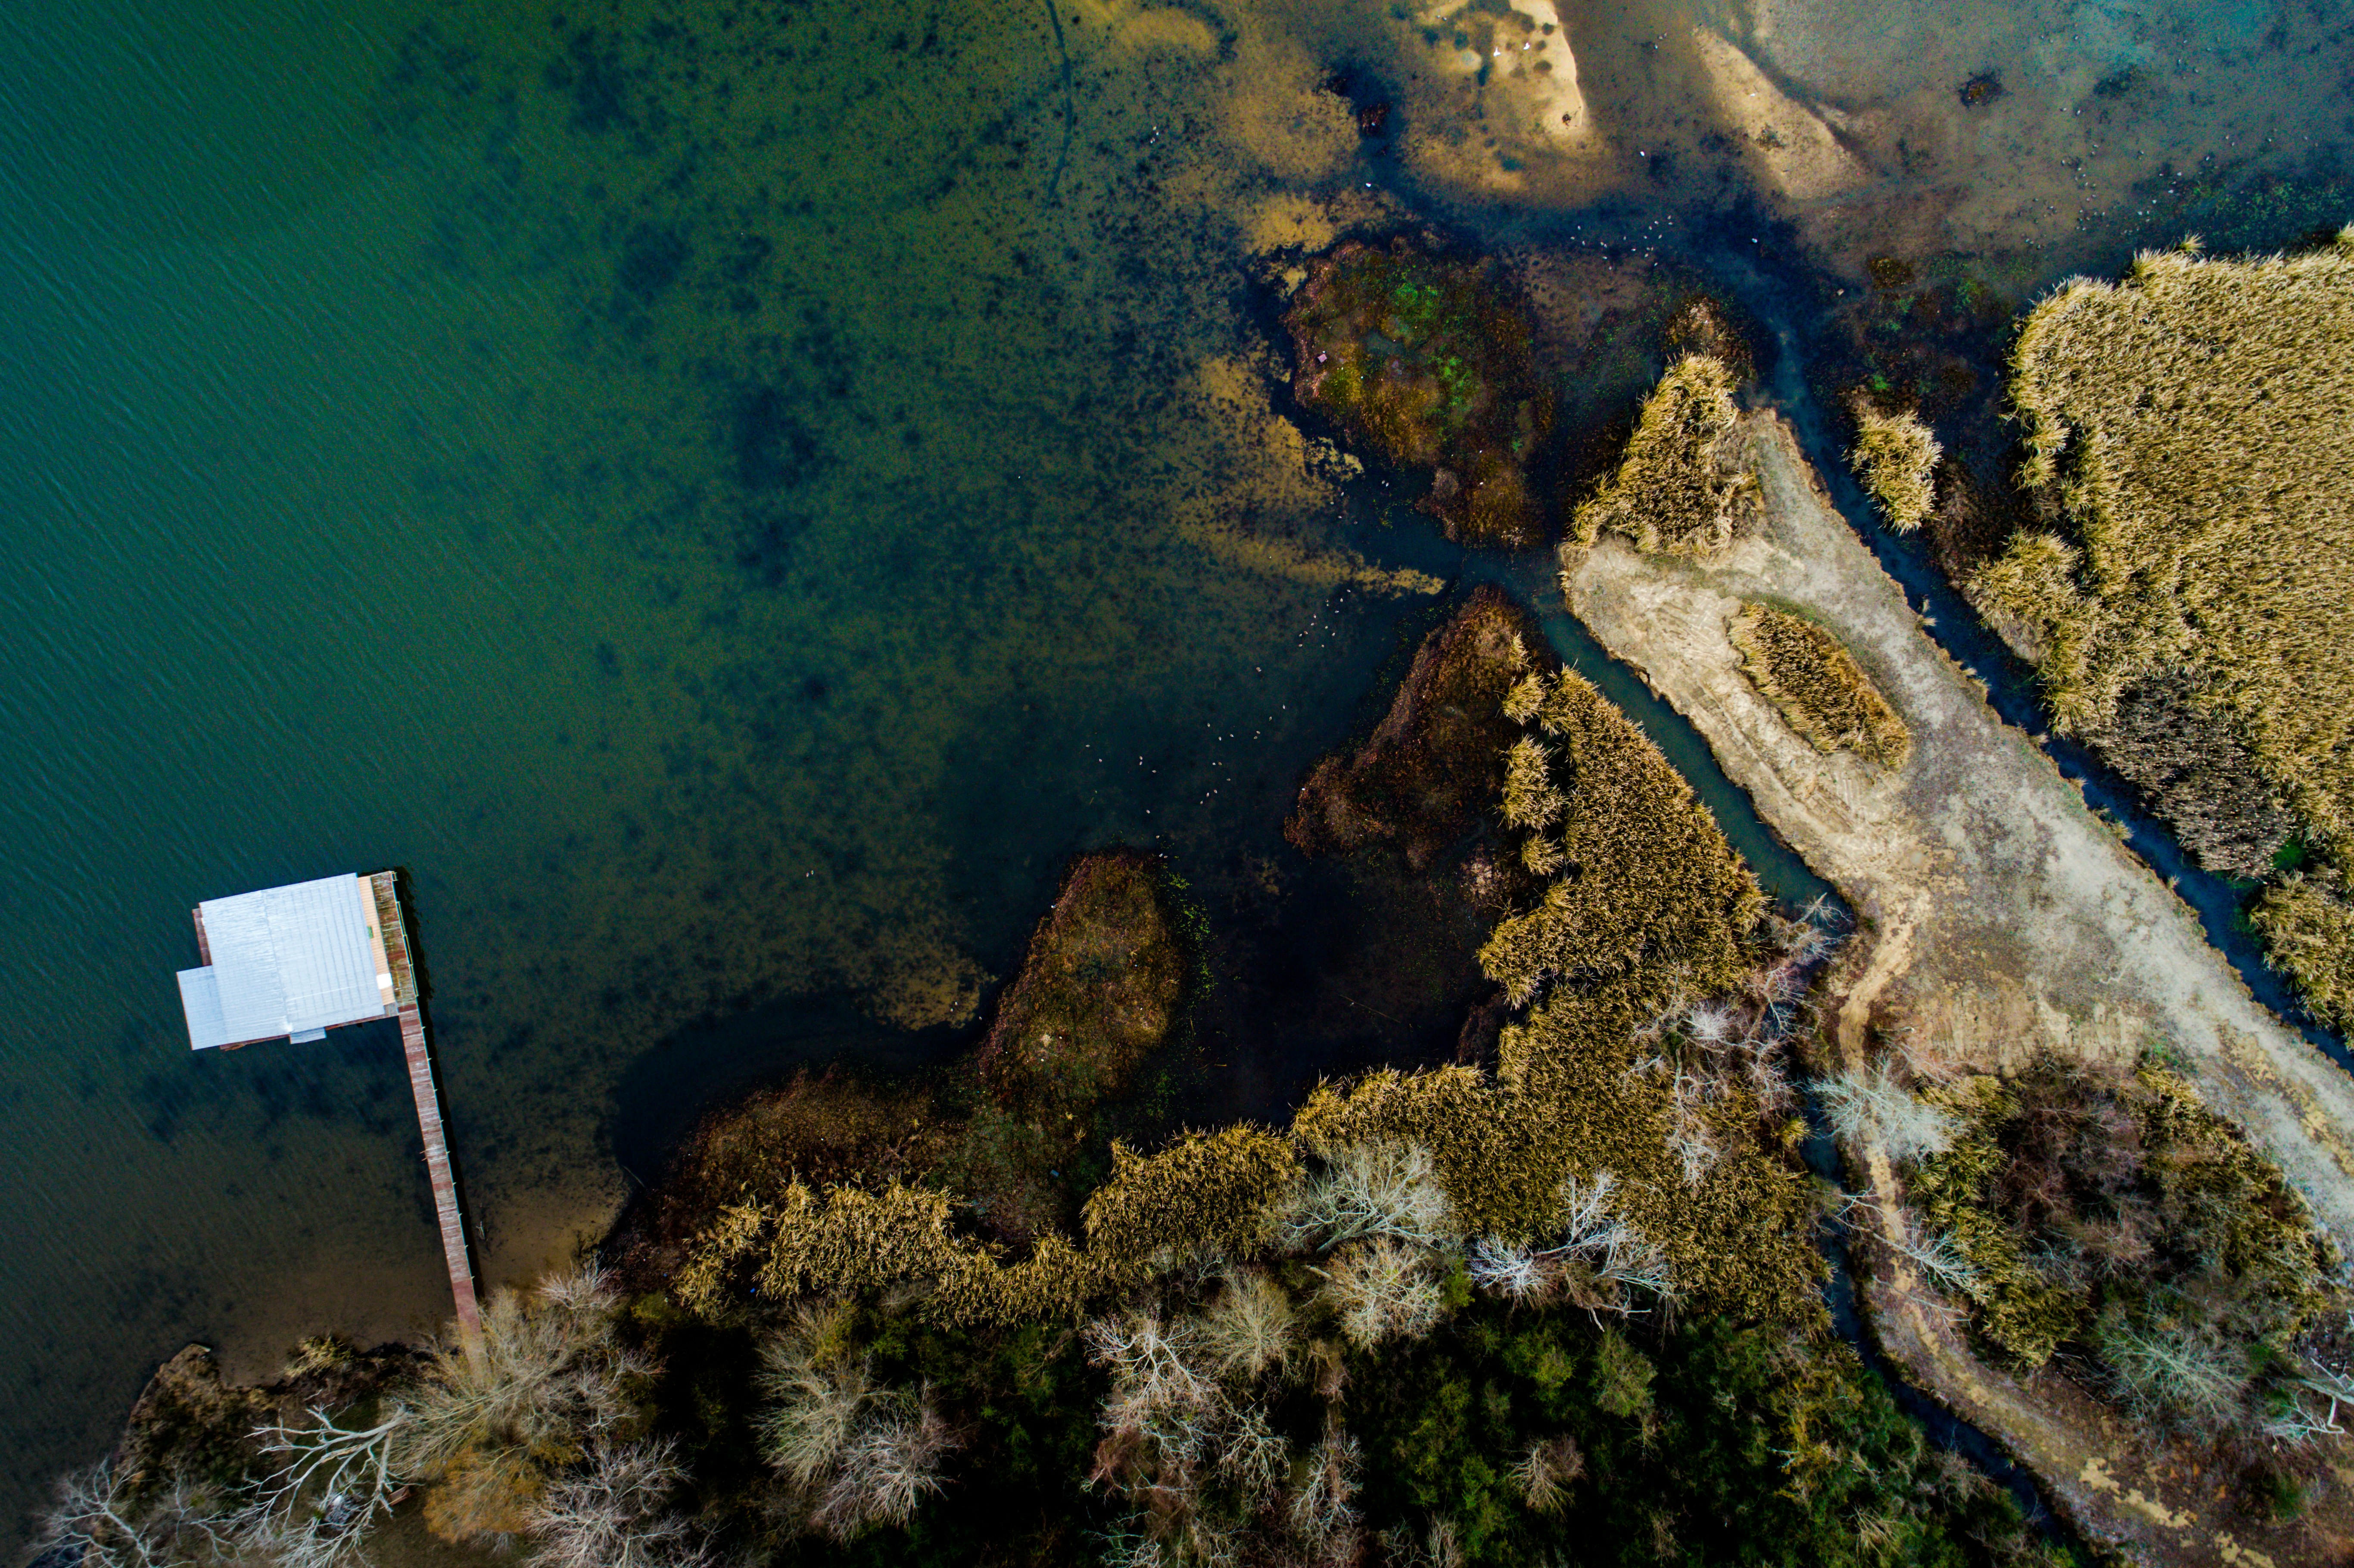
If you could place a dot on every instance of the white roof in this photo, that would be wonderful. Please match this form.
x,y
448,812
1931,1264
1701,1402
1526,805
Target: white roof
x,y
294,960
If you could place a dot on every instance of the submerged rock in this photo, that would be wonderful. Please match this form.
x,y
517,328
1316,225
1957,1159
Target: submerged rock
x,y
1430,363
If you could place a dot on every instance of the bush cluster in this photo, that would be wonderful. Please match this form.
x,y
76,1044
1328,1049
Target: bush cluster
x,y
2114,1216
1824,693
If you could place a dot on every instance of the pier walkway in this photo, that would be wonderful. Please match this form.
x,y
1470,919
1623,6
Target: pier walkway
x,y
395,937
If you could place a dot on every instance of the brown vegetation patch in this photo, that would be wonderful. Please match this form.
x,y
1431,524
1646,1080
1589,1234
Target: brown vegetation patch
x,y
1816,682
1098,992
2183,424
1684,485
1426,360
1435,760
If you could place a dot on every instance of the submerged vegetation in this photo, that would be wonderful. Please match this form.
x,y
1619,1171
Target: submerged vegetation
x,y
1426,360
2180,422
1823,693
1684,485
1894,455
1435,760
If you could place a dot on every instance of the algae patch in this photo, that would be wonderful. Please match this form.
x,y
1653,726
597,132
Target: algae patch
x,y
1428,361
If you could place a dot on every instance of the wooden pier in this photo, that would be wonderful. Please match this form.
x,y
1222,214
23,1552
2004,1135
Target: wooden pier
x,y
393,933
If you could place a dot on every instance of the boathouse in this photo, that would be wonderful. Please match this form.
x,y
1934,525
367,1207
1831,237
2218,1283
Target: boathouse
x,y
287,963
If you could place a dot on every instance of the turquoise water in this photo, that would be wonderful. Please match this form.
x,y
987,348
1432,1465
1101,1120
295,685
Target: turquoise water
x,y
728,500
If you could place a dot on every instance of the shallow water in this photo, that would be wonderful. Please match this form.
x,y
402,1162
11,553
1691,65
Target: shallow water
x,y
730,502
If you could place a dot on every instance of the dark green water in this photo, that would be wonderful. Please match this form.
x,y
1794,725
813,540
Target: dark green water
x,y
728,498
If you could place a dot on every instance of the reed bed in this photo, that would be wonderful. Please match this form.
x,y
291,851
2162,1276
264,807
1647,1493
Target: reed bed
x,y
1893,457
1684,486
2189,425
1824,693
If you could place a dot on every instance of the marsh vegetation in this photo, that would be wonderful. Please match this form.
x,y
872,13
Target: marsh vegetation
x,y
1894,456
2177,427
1684,485
1810,675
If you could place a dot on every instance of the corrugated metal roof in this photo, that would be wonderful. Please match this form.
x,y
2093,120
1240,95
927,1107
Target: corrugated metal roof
x,y
200,1000
287,960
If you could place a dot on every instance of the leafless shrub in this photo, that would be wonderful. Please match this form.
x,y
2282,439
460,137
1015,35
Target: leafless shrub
x,y
861,1454
816,1399
1169,1427
1437,1548
543,1380
887,1467
1545,1470
1322,1510
2174,1374
1384,1289
1250,1330
1382,1187
1869,1104
614,1513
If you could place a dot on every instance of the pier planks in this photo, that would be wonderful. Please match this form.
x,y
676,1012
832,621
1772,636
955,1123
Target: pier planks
x,y
428,1101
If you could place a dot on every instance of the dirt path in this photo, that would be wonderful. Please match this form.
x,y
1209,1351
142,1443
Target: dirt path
x,y
1999,918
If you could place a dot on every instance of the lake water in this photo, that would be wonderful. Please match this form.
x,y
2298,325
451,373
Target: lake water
x,y
730,498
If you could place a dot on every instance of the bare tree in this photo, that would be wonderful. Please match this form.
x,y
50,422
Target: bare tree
x,y
1870,1105
614,1513
1545,1470
101,1520
1249,1329
1382,1187
1599,1264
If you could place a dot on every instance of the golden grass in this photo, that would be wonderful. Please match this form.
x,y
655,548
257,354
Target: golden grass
x,y
1893,457
2191,424
1684,485
1805,671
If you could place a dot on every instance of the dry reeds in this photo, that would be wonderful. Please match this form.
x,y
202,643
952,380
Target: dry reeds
x,y
1684,486
2189,425
1824,693
1893,457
